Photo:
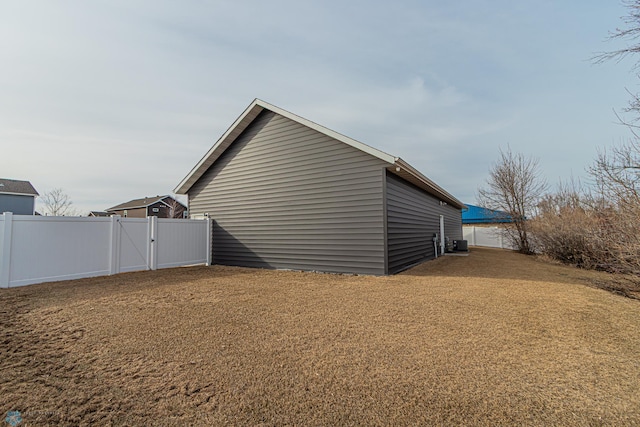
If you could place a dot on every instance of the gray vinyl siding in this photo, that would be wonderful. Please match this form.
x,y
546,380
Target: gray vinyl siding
x,y
19,205
413,216
452,222
286,196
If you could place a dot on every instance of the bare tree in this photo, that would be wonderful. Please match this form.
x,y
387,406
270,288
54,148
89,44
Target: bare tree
x,y
616,172
58,203
598,228
175,208
515,187
631,32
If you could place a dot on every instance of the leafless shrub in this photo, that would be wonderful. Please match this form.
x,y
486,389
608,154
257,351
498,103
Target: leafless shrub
x,y
566,228
595,228
175,208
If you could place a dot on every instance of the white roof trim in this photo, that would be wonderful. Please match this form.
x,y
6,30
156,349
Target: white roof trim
x,y
257,106
333,134
18,194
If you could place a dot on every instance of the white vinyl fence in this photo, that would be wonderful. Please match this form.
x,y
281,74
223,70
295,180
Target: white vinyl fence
x,y
491,237
36,249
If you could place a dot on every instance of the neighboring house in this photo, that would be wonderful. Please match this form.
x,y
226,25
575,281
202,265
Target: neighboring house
x,y
99,214
287,193
160,206
17,196
477,215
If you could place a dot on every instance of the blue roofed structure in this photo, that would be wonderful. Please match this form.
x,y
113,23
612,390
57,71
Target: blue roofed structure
x,y
478,215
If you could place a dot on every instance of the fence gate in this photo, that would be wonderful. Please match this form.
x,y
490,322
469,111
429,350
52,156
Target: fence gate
x,y
36,249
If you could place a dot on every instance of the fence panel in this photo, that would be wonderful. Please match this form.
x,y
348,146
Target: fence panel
x,y
134,238
181,242
35,249
57,248
491,237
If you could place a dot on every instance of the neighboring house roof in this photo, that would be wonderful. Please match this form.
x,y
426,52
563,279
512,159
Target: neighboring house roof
x,y
479,215
141,203
396,164
14,186
98,213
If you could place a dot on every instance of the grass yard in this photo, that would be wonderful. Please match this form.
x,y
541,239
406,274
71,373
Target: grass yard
x,y
495,338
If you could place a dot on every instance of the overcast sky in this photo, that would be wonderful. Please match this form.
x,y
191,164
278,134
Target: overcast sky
x,y
115,100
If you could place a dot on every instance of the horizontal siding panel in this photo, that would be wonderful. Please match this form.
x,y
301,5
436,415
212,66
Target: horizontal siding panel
x,y
305,221
320,216
413,216
306,253
273,210
293,205
312,260
286,196
313,145
296,261
453,222
364,245
307,179
278,196
301,169
305,159
304,233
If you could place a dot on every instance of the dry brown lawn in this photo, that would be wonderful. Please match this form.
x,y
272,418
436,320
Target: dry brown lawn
x,y
495,338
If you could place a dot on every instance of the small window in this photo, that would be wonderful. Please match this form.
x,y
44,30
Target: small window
x,y
155,210
125,213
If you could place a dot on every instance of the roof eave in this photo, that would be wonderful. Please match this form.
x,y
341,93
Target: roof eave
x,y
236,128
14,193
426,184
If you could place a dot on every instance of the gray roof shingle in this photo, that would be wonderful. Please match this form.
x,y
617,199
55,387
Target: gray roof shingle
x,y
17,187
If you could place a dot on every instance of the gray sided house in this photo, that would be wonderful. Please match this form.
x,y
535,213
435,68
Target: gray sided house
x,y
18,197
287,193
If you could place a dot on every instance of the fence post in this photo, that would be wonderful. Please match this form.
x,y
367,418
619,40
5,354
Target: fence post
x,y
5,250
473,235
152,244
209,240
114,260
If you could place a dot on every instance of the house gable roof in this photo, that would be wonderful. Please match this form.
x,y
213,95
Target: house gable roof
x,y
396,164
14,186
141,203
